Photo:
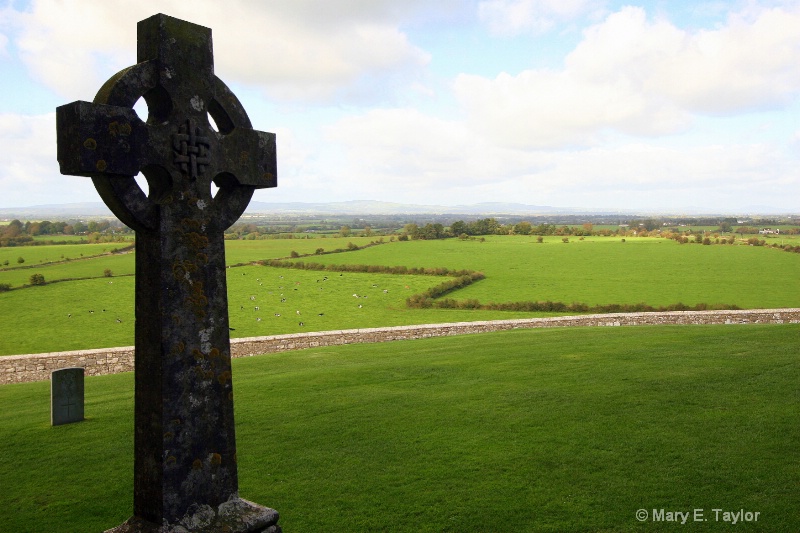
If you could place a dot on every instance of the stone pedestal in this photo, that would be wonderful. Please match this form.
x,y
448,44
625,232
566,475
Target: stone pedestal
x,y
234,516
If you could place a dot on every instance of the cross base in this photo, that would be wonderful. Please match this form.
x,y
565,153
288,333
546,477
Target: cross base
x,y
235,516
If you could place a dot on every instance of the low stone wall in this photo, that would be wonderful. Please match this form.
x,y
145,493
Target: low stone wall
x,y
37,367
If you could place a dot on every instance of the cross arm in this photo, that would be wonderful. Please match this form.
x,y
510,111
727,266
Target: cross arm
x,y
250,156
99,140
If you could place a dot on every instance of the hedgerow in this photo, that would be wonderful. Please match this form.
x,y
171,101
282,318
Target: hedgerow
x,y
432,298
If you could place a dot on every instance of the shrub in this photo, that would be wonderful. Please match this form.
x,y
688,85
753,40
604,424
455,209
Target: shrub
x,y
294,254
5,287
37,279
564,239
539,239
107,273
20,260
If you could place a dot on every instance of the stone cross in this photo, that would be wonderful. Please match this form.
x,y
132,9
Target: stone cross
x,y
185,474
66,396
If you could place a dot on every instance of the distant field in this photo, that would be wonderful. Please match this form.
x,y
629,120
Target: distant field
x,y
561,431
602,270
35,255
244,251
121,264
38,319
38,257
593,271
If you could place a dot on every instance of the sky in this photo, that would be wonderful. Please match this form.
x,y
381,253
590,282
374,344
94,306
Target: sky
x,y
658,106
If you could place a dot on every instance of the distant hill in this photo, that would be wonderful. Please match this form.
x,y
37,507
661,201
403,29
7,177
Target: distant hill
x,y
57,211
355,207
366,207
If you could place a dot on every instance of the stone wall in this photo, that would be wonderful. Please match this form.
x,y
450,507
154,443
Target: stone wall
x,y
37,367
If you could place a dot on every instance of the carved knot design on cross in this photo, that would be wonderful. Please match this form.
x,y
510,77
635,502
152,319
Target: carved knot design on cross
x,y
106,141
191,149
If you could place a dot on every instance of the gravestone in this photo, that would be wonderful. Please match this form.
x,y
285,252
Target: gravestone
x,y
185,472
66,396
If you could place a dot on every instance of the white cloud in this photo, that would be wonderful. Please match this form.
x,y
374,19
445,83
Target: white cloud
x,y
512,17
293,50
750,63
405,155
29,173
641,78
406,148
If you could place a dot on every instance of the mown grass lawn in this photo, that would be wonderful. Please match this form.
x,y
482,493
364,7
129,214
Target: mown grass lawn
x,y
569,430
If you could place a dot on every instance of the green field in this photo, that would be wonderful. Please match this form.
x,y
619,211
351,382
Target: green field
x,y
37,255
602,270
569,430
596,270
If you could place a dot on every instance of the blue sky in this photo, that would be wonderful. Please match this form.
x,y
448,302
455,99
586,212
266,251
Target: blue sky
x,y
656,106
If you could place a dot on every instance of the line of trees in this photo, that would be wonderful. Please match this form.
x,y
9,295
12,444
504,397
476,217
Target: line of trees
x,y
17,233
491,226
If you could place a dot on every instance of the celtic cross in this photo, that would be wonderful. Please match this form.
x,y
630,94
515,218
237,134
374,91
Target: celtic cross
x,y
185,469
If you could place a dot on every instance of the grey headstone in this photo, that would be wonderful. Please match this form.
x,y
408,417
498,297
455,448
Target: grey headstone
x,y
66,396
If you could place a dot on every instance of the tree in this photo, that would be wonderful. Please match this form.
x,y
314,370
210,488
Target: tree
x,y
37,279
411,230
459,227
344,231
14,229
523,228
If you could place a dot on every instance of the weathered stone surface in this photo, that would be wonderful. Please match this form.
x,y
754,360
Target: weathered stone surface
x,y
185,446
66,395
